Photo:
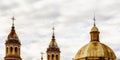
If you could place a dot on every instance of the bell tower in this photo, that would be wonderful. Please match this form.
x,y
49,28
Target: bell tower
x,y
53,51
12,45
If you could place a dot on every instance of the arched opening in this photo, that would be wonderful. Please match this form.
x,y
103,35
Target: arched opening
x,y
11,49
52,57
56,57
16,49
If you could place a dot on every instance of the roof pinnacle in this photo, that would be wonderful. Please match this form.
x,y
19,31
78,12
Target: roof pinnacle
x,y
13,19
94,20
42,55
53,36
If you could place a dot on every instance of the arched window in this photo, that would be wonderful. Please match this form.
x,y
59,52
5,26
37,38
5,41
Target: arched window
x,y
52,57
56,57
11,49
16,49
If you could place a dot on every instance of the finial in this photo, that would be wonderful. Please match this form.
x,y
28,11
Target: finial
x,y
53,29
13,19
42,55
53,36
94,19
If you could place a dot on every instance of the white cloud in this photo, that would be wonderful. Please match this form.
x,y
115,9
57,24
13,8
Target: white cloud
x,y
73,21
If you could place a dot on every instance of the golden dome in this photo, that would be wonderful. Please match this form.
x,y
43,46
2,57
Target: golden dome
x,y
94,28
95,49
53,44
13,34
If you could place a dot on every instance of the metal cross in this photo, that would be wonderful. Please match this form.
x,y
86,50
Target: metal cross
x,y
94,20
42,54
13,19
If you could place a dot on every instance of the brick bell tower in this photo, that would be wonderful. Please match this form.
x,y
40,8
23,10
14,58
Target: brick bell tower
x,y
12,45
53,51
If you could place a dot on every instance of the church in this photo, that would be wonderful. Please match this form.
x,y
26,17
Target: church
x,y
94,50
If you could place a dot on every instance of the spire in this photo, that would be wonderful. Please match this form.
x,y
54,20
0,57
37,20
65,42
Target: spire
x,y
94,26
12,45
53,51
42,55
94,20
13,28
94,31
53,42
13,19
13,33
53,36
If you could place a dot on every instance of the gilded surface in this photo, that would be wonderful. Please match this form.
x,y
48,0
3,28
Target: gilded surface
x,y
13,34
95,49
53,44
94,29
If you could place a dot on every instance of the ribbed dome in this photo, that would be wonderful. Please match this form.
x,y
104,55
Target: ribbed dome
x,y
53,44
95,49
13,34
94,28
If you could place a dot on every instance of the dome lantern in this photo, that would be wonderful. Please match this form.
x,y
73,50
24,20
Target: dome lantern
x,y
95,50
94,33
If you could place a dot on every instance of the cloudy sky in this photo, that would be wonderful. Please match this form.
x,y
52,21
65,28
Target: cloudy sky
x,y
73,20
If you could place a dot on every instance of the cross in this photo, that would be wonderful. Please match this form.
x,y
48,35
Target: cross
x,y
42,54
13,19
94,19
53,28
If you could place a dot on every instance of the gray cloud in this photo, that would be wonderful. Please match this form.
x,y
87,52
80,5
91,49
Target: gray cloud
x,y
73,21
